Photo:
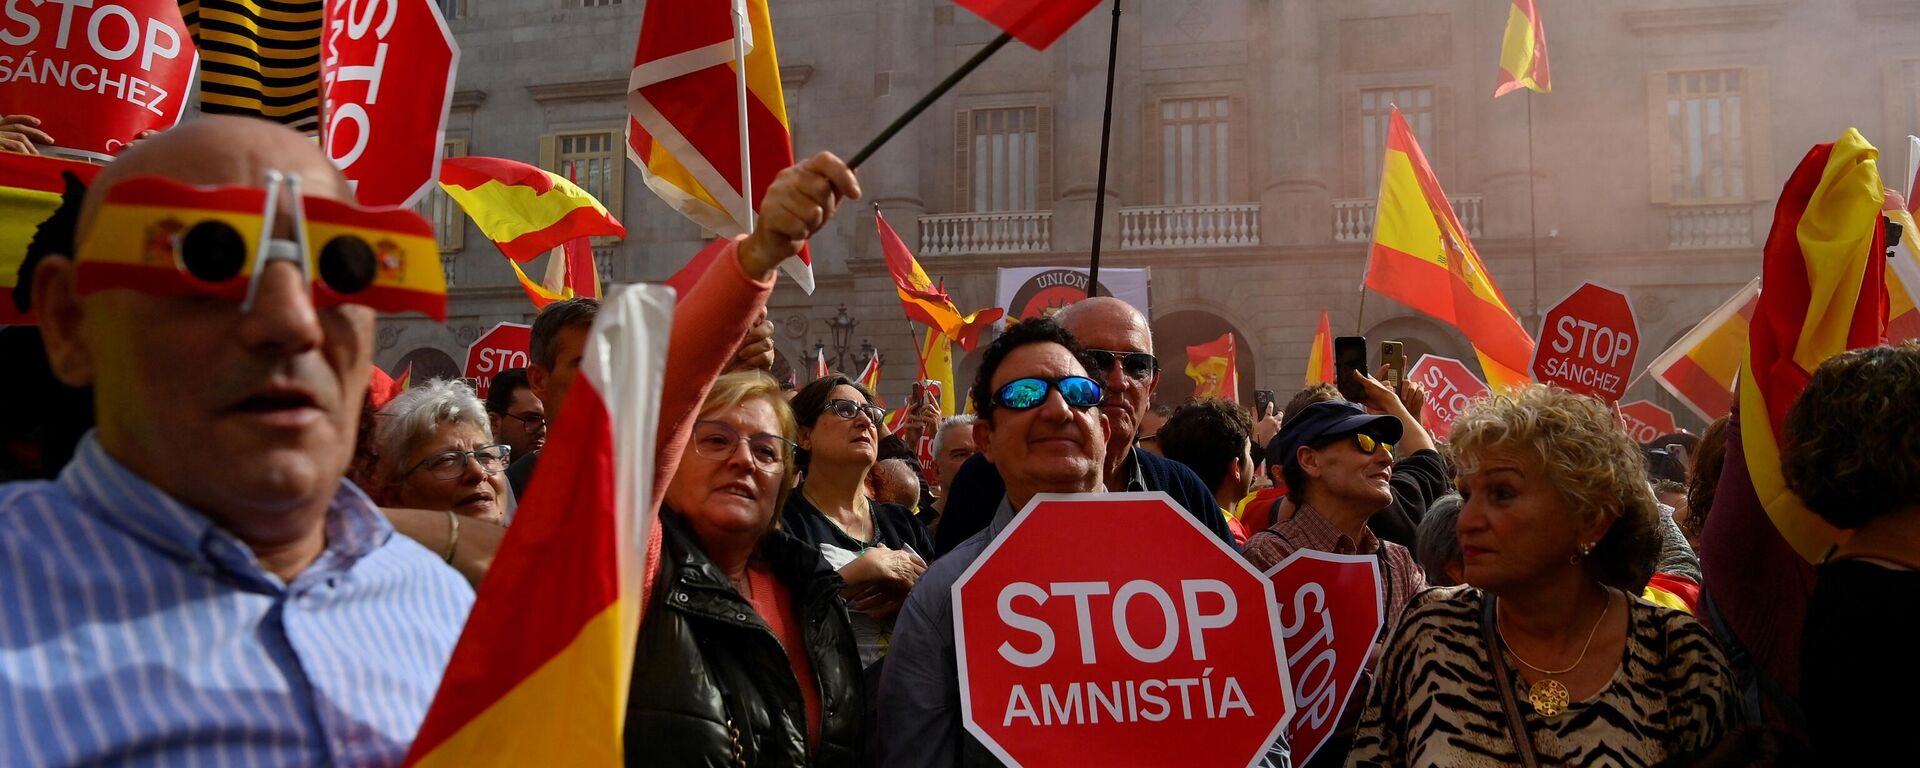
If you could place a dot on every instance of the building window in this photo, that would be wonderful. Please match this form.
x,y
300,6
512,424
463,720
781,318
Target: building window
x,y
453,9
1195,161
1706,136
449,224
1003,159
592,160
1417,105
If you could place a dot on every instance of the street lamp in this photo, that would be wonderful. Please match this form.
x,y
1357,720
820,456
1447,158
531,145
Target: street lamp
x,y
841,325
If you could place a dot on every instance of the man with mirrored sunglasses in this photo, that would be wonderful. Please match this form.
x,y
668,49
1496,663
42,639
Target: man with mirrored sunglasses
x,y
200,584
1120,358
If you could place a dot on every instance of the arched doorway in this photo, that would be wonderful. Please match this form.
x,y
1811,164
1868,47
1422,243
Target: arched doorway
x,y
1175,331
1421,336
428,363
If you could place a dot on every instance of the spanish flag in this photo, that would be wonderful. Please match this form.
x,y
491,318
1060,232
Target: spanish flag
x,y
936,364
1523,52
870,376
405,380
259,58
923,301
1214,369
1700,367
524,210
31,188
1903,277
1423,259
541,674
683,125
1320,357
1823,291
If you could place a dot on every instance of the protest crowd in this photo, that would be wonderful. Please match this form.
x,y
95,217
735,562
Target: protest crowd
x,y
240,542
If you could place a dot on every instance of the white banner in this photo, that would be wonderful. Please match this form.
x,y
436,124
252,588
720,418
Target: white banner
x,y
1031,291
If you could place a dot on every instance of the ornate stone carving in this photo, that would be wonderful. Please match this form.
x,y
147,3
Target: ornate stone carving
x,y
795,326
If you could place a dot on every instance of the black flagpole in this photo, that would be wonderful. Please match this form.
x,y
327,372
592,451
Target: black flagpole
x,y
1106,142
931,97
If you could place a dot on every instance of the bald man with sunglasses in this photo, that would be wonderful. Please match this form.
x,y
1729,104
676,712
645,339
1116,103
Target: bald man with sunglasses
x,y
200,585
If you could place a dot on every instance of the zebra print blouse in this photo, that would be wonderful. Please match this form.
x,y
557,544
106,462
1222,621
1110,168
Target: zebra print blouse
x,y
1434,702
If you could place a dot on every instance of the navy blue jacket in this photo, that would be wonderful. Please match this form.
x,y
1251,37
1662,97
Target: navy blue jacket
x,y
977,490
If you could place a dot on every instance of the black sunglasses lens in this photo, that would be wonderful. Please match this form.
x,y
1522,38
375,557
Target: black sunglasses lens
x,y
347,264
1139,365
213,251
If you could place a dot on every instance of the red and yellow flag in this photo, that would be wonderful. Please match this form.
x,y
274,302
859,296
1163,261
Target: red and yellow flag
x,y
683,125
30,190
925,302
870,375
1823,291
1035,22
1523,52
1903,277
1320,356
1214,369
524,210
541,673
936,364
404,381
1423,259
1700,367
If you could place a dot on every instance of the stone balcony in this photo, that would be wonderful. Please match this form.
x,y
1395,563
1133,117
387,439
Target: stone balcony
x,y
988,232
1353,219
1710,226
1189,226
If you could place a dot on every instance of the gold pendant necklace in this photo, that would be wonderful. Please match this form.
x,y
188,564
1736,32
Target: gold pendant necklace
x,y
1547,695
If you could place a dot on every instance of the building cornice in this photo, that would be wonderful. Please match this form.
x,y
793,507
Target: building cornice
x,y
1720,18
470,98
578,90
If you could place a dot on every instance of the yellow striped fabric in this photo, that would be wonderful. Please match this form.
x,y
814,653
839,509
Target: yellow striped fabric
x,y
259,58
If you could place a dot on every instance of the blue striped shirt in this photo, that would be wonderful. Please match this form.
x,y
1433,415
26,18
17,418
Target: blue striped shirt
x,y
133,631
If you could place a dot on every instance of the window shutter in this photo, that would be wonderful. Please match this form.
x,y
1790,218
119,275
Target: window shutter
x,y
1150,136
1237,159
617,160
962,161
1353,145
1759,133
549,149
1659,143
1443,134
1043,134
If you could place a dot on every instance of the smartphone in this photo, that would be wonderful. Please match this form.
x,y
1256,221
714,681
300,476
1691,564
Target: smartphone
x,y
1263,402
1349,354
1393,356
925,391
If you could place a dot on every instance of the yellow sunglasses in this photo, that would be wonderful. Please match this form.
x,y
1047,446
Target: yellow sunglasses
x,y
1368,443
165,238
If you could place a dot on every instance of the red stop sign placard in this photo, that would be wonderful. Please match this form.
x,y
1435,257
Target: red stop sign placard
x,y
1588,343
502,347
96,74
1646,421
1113,629
1450,386
386,77
1331,610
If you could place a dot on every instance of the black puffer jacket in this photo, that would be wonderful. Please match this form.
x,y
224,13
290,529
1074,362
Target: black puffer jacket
x,y
708,667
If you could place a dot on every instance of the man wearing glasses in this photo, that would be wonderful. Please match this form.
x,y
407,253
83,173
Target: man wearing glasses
x,y
518,418
1039,422
200,582
1119,346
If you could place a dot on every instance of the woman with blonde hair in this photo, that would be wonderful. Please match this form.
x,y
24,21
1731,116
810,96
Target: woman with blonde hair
x,y
747,652
1549,657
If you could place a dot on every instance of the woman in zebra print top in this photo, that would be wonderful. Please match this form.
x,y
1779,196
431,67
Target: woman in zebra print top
x,y
1559,534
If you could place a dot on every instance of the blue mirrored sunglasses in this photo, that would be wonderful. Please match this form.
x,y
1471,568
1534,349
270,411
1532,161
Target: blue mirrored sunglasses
x,y
1024,393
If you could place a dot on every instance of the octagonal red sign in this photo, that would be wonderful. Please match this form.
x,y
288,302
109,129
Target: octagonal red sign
x,y
1113,629
1331,610
1450,387
500,348
1646,421
386,79
1588,343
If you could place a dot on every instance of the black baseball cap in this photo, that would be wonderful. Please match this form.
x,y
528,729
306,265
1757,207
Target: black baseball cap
x,y
1329,418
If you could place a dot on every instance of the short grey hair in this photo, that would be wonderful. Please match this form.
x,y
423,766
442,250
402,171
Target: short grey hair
x,y
952,422
413,416
1436,543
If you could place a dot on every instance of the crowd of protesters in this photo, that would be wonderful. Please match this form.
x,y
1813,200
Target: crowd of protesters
x,y
266,557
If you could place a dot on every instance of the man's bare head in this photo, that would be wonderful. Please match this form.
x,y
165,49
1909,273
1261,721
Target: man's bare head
x,y
1105,323
248,417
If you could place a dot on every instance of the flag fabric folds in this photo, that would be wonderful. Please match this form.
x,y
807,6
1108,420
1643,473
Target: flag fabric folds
x,y
31,187
523,209
819,362
404,381
1903,282
1214,369
936,364
922,300
683,125
541,674
1422,258
870,375
1320,356
259,58
1523,51
1823,291
1700,367
1035,22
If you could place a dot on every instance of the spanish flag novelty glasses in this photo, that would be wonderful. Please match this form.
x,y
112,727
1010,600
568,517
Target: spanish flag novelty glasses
x,y
165,238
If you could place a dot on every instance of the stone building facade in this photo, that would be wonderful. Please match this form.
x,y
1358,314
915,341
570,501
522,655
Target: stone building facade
x,y
1246,144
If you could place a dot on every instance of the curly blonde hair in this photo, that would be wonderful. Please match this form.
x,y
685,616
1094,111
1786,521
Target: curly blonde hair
x,y
1590,461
